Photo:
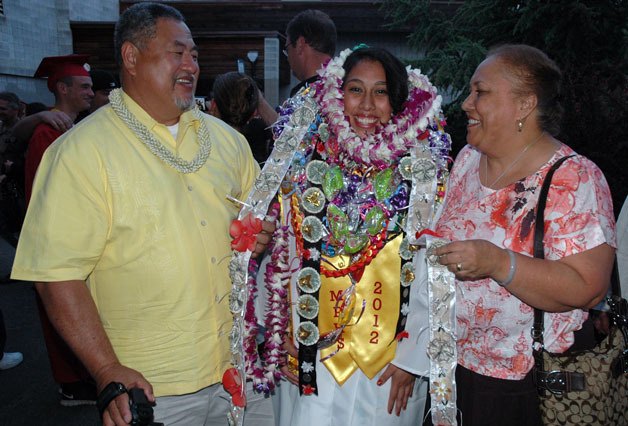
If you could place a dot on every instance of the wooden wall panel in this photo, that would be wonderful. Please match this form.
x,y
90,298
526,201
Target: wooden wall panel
x,y
226,30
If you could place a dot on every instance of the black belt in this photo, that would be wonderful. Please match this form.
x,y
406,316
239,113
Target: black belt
x,y
558,382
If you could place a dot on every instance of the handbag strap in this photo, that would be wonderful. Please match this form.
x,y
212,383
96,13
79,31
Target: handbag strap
x,y
558,382
539,233
541,379
615,282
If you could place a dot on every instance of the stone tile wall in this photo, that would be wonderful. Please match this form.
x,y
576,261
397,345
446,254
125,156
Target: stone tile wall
x,y
33,29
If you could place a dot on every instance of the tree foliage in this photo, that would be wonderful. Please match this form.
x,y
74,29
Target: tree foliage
x,y
588,39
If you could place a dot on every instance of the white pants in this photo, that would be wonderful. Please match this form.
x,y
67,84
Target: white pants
x,y
359,402
209,407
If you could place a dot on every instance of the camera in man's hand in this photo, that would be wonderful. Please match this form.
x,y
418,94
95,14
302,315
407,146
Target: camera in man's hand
x,y
141,409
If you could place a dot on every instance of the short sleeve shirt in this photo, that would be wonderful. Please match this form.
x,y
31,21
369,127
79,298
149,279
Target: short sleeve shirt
x,y
493,326
152,243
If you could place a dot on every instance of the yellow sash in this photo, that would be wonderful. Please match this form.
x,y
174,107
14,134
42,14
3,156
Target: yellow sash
x,y
370,343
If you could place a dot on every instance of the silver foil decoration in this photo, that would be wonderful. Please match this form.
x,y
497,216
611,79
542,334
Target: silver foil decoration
x,y
264,189
421,210
442,345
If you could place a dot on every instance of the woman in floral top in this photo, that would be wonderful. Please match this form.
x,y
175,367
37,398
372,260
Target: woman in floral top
x,y
513,114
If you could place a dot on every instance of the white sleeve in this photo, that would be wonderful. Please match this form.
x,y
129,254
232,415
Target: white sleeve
x,y
411,354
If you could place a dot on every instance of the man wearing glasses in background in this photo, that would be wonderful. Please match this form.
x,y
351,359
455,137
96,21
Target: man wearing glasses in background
x,y
310,44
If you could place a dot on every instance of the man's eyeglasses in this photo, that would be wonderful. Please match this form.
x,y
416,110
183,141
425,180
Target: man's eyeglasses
x,y
285,50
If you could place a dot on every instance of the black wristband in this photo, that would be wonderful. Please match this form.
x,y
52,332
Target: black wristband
x,y
108,394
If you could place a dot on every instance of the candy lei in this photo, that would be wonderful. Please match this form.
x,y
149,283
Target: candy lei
x,y
360,209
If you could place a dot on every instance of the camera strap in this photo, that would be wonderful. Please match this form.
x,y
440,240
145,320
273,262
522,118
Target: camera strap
x,y
108,394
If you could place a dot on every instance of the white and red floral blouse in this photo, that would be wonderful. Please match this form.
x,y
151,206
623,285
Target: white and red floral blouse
x,y
493,326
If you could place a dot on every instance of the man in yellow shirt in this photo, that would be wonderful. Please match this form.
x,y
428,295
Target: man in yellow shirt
x,y
127,231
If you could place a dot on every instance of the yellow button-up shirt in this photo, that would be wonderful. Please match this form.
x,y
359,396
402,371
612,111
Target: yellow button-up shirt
x,y
152,243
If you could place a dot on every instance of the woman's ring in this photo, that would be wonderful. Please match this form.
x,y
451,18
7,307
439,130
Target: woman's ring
x,y
459,267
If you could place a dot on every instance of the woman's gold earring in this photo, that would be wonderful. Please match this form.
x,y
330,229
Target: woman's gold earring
x,y
520,125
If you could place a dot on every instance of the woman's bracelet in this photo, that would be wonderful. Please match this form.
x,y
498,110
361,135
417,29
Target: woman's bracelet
x,y
511,271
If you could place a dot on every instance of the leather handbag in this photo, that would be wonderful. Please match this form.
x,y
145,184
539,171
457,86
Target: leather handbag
x,y
582,387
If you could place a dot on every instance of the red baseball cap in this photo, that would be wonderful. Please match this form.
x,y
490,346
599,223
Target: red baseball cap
x,y
57,67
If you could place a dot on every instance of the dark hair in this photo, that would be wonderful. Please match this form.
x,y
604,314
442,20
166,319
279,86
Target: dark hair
x,y
259,137
68,80
103,80
35,107
138,24
236,97
396,74
316,27
11,98
534,72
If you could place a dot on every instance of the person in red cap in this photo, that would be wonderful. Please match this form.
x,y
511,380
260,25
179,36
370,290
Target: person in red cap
x,y
127,233
70,82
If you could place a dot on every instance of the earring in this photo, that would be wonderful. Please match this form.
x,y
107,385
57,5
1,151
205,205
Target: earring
x,y
519,125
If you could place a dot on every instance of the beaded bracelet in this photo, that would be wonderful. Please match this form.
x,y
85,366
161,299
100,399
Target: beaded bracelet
x,y
511,271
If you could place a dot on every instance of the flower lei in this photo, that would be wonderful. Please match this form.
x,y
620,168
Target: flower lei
x,y
390,141
154,146
244,233
276,318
